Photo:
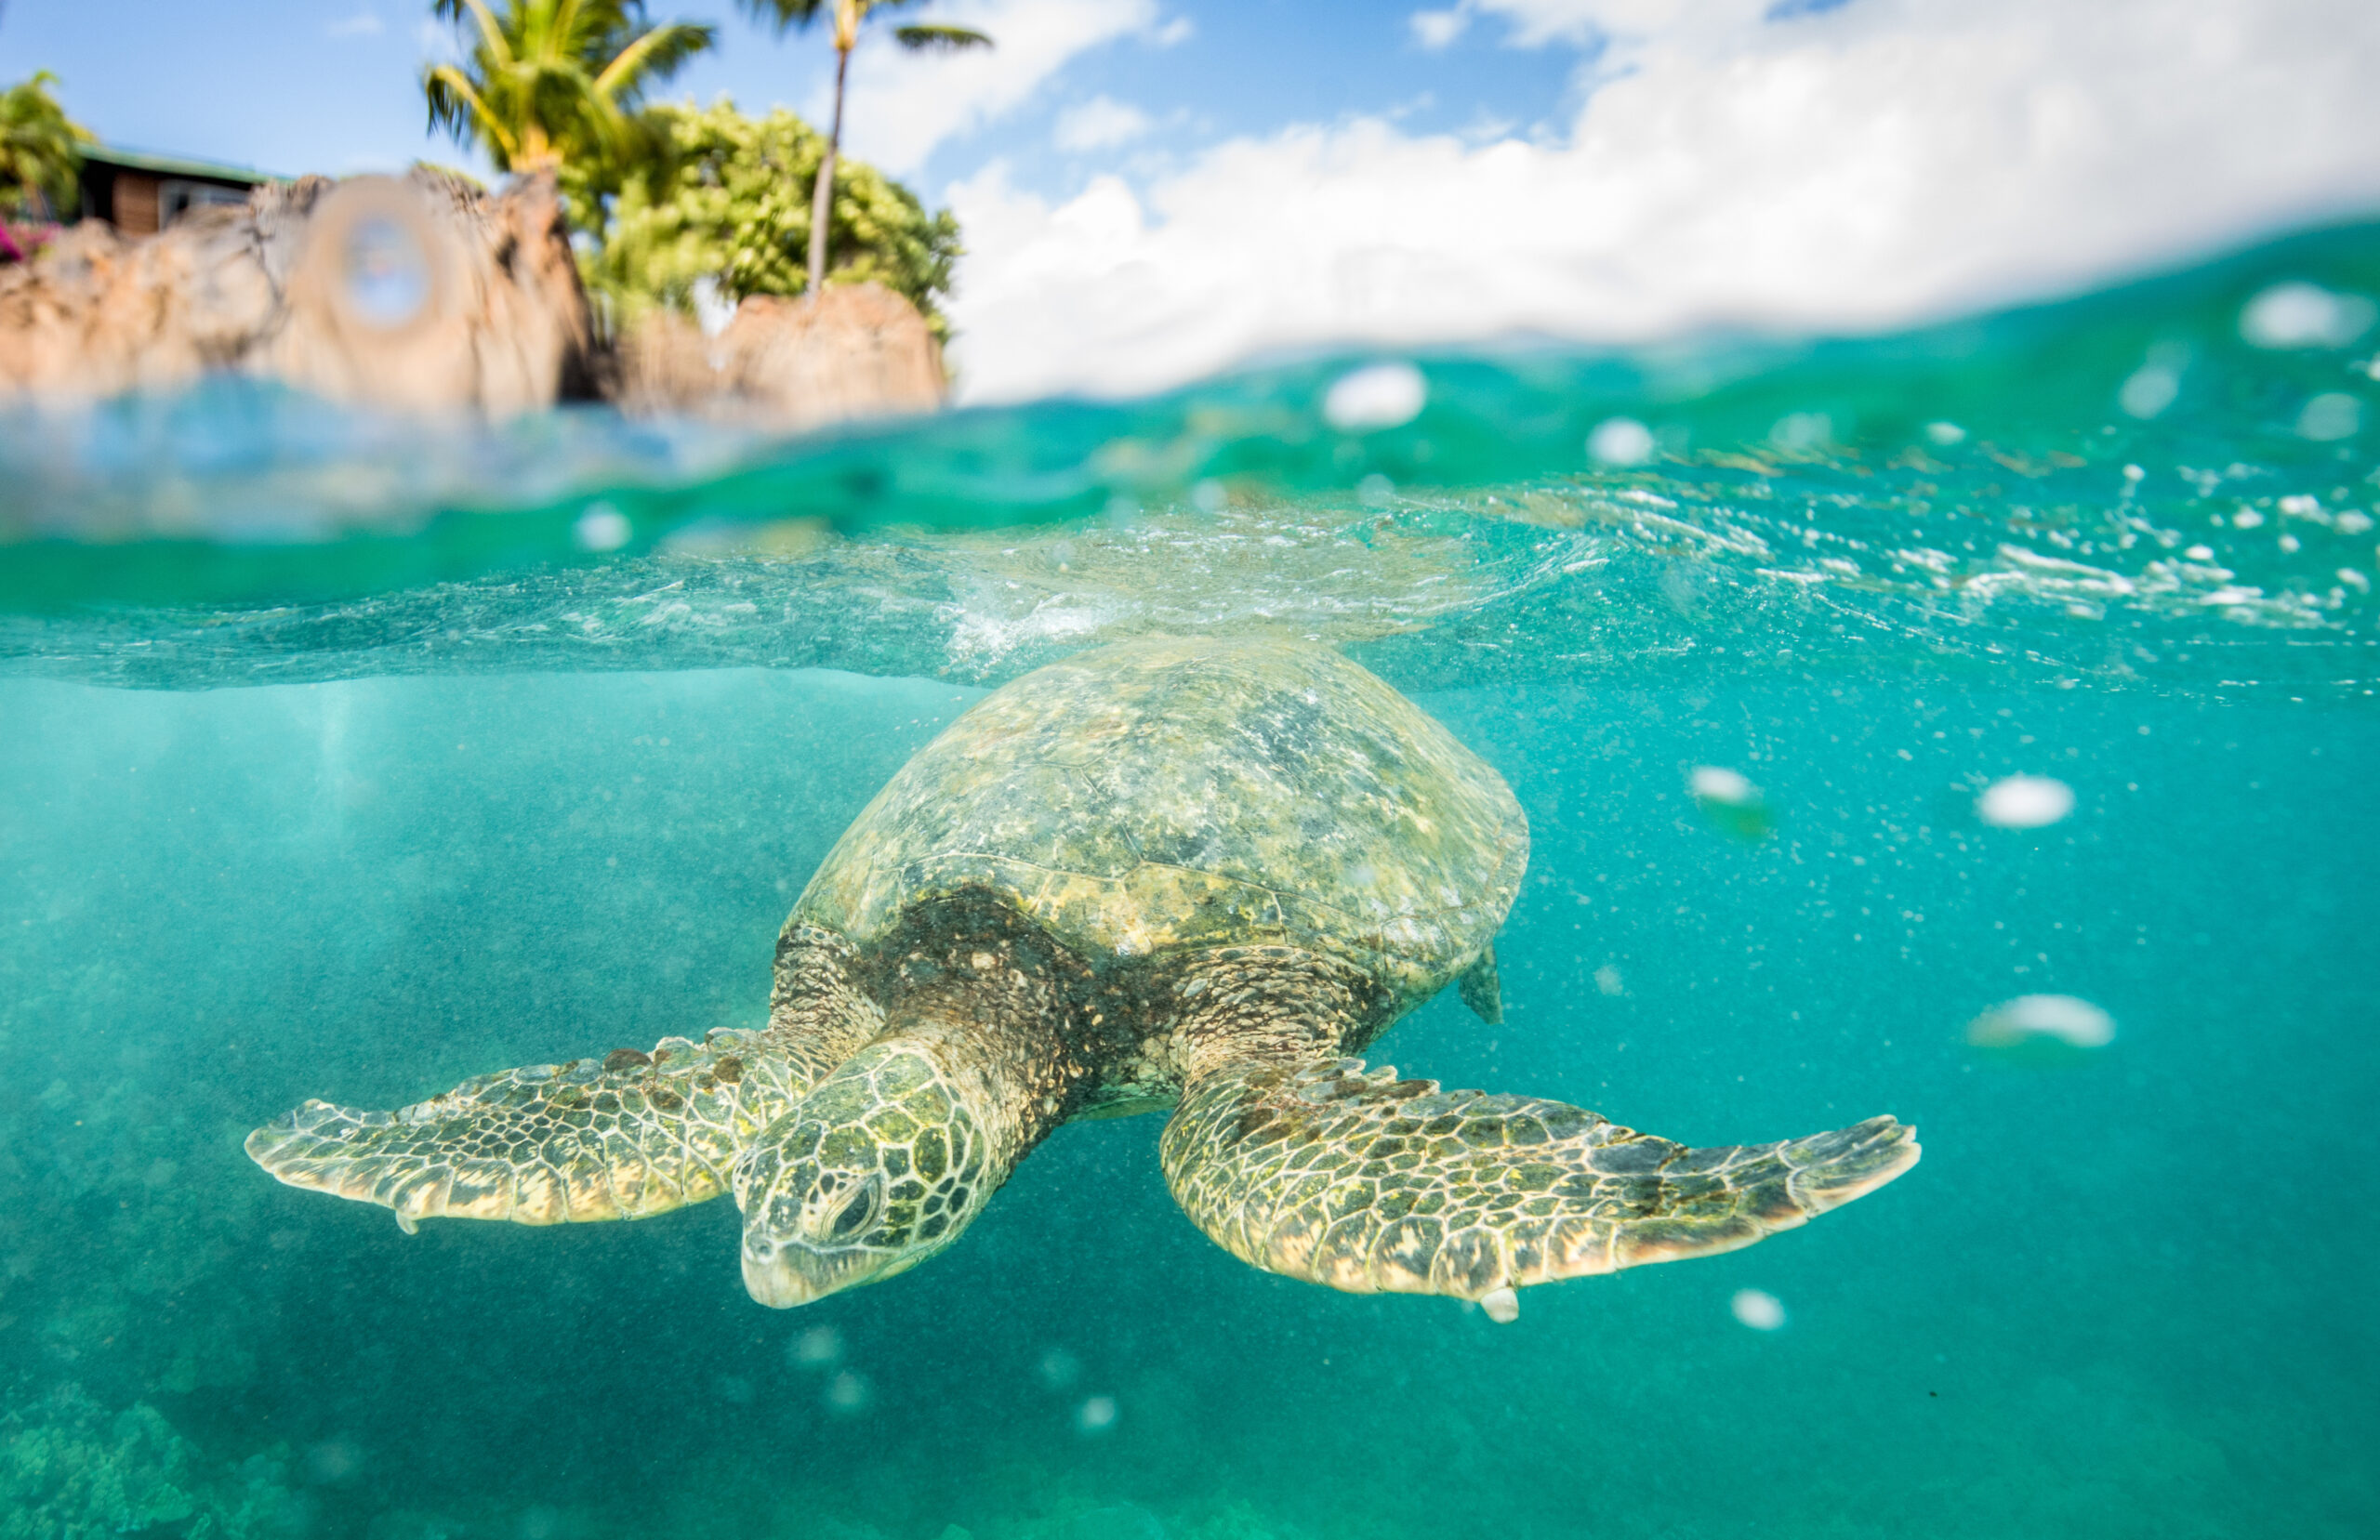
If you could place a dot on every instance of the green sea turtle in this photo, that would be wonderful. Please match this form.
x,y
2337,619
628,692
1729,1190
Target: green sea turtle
x,y
1195,874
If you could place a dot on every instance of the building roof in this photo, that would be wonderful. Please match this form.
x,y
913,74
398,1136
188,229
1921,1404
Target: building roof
x,y
173,166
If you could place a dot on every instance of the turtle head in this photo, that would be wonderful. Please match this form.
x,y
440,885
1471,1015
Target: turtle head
x,y
877,1168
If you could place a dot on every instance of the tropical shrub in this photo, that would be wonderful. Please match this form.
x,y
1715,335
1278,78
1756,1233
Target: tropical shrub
x,y
725,197
41,151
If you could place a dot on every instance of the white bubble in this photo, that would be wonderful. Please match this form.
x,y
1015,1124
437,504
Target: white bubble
x,y
1801,430
847,1393
2149,390
2076,1024
1504,1306
1377,395
1375,491
2200,553
1059,1368
2303,315
1208,497
1716,784
2025,802
819,1348
601,527
2330,416
1096,1415
1758,1309
1608,980
1946,434
1620,442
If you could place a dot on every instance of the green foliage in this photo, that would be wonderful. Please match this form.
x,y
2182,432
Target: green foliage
x,y
548,83
727,196
41,148
849,15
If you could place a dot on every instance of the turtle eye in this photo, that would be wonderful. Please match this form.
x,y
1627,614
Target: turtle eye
x,y
857,1211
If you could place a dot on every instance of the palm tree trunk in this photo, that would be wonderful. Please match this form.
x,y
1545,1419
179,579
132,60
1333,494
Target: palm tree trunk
x,y
821,199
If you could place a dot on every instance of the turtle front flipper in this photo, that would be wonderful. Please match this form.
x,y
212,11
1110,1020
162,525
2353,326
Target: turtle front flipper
x,y
631,1135
621,1138
1367,1183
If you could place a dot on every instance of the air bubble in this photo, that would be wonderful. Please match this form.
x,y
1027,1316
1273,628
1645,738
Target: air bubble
x,y
819,1348
1758,1309
2330,416
1059,1368
848,1393
1375,396
2305,315
601,527
1620,442
2060,1019
2025,802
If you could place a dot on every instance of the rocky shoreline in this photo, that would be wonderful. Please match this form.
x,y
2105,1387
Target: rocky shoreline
x,y
426,294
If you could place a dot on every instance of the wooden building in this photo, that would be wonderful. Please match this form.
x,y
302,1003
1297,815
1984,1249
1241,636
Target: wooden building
x,y
141,194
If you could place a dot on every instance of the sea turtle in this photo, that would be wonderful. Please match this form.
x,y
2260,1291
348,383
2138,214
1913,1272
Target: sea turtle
x,y
1185,874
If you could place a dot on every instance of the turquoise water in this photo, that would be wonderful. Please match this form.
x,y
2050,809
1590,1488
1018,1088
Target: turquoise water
x,y
349,759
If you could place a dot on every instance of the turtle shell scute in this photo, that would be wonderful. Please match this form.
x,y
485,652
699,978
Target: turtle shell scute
x,y
1163,797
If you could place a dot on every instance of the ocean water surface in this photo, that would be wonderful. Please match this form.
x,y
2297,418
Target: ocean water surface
x,y
349,757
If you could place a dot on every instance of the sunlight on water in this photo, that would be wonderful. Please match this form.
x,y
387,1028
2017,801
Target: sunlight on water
x,y
1975,724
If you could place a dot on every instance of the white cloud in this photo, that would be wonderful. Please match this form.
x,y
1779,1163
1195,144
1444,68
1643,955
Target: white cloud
x,y
1673,23
1866,167
1436,28
361,25
1179,29
1102,123
903,105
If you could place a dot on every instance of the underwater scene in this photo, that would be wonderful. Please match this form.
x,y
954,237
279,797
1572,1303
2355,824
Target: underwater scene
x,y
1974,725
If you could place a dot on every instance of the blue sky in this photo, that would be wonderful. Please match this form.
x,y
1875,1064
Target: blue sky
x,y
1151,189
331,85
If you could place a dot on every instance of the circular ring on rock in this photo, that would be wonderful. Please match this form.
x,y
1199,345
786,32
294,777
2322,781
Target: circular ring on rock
x,y
378,263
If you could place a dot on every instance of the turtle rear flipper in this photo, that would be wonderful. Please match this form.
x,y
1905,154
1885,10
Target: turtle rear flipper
x,y
1367,1183
633,1135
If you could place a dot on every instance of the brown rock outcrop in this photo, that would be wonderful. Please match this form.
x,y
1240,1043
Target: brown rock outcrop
x,y
419,292
859,351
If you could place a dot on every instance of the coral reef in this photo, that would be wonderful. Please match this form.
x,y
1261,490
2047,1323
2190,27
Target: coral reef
x,y
70,1469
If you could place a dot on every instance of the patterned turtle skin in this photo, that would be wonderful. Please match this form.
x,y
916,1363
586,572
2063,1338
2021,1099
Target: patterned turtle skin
x,y
1171,873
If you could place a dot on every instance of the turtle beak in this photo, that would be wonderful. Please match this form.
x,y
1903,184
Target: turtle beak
x,y
784,1273
817,1256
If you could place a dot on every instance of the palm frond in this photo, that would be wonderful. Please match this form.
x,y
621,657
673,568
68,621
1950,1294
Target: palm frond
x,y
784,14
493,43
933,39
457,106
653,57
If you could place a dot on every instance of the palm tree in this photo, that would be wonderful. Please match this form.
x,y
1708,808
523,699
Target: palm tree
x,y
41,148
847,15
548,82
